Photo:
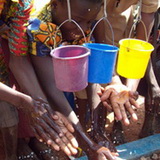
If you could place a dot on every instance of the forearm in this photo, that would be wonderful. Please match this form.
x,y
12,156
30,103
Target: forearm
x,y
132,84
58,99
83,139
55,96
25,76
44,70
11,96
116,79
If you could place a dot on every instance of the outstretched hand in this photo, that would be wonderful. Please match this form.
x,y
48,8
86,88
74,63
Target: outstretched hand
x,y
101,153
51,127
119,99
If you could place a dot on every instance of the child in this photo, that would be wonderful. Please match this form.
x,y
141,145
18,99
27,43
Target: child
x,y
20,100
42,36
44,122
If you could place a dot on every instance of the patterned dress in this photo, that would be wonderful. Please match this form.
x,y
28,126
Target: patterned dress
x,y
14,15
43,34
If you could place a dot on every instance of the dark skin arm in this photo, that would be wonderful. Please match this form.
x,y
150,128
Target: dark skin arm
x,y
44,70
12,96
49,126
27,80
40,120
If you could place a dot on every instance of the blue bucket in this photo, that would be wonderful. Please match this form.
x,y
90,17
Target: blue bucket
x,y
101,62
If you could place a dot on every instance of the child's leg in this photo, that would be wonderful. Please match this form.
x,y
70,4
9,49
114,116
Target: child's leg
x,y
82,108
81,111
150,108
147,128
98,117
98,132
98,112
10,142
8,123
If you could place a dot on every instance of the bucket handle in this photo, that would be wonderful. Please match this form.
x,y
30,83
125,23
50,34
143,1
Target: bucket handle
x,y
134,25
139,20
71,20
103,18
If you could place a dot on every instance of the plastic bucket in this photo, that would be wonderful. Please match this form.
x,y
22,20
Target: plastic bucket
x,y
70,65
133,58
101,62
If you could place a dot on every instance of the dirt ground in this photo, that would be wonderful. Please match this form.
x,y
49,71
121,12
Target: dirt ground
x,y
131,132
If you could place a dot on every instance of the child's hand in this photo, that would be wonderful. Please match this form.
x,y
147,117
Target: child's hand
x,y
51,127
102,153
119,99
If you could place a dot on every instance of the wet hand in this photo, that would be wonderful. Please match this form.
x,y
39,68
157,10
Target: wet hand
x,y
120,100
51,127
102,153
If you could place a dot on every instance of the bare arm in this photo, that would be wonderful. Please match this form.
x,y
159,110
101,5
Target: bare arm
x,y
24,73
43,120
12,96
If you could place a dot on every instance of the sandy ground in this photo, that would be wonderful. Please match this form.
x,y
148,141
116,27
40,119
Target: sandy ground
x,y
131,132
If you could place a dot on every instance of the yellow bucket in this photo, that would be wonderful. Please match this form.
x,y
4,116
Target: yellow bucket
x,y
133,58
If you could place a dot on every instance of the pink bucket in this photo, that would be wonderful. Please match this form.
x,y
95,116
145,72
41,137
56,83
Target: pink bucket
x,y
70,65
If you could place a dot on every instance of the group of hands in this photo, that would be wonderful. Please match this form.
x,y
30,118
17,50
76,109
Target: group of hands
x,y
53,128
